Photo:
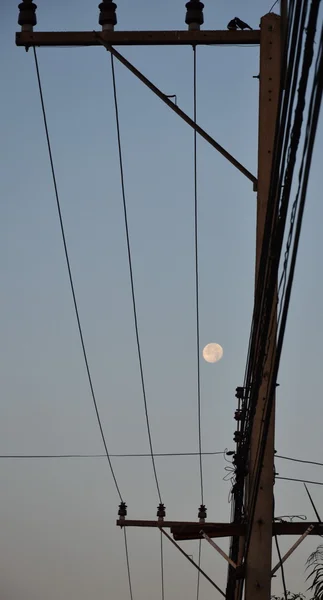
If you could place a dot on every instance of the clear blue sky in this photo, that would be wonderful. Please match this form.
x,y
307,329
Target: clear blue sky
x,y
58,535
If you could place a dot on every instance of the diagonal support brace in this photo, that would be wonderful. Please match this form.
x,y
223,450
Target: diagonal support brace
x,y
192,562
291,550
179,112
220,551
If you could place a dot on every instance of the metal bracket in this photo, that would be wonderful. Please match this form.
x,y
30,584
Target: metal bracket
x,y
220,551
291,550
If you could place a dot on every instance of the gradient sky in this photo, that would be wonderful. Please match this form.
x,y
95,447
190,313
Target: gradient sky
x,y
58,535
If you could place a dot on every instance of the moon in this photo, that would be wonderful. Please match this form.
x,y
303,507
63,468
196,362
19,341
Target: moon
x,y
212,352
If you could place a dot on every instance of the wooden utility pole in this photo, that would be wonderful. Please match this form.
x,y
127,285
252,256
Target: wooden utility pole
x,y
259,557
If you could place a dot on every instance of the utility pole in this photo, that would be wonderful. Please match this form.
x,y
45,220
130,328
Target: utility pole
x,y
258,565
256,571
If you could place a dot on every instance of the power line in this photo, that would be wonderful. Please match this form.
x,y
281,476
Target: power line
x,y
299,460
284,150
127,562
259,324
70,274
134,306
311,128
77,311
197,306
273,6
287,92
158,455
299,480
304,170
142,455
278,229
303,182
197,278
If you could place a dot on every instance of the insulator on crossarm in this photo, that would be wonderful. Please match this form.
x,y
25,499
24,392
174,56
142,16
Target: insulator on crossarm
x,y
122,512
238,415
239,393
237,436
161,512
108,15
194,14
27,15
202,513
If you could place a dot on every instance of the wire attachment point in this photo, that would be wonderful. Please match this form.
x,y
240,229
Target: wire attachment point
x,y
202,513
27,15
108,15
161,512
122,512
194,15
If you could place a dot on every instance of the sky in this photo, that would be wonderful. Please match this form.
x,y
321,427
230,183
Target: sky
x,y
58,538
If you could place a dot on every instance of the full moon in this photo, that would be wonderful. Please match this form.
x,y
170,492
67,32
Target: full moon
x,y
212,353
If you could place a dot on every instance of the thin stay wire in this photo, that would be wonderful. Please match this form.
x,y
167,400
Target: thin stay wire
x,y
281,567
58,204
134,306
197,305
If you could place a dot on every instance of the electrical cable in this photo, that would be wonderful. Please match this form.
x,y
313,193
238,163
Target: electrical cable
x,y
284,151
256,358
299,460
257,325
158,455
280,151
312,122
77,311
143,455
288,82
134,306
273,6
311,128
197,306
58,204
197,278
282,282
128,563
299,480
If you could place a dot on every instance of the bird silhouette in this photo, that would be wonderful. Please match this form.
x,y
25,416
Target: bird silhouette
x,y
241,24
232,25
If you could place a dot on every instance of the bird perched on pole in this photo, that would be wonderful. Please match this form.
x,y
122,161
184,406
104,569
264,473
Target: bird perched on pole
x,y
232,25
241,24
